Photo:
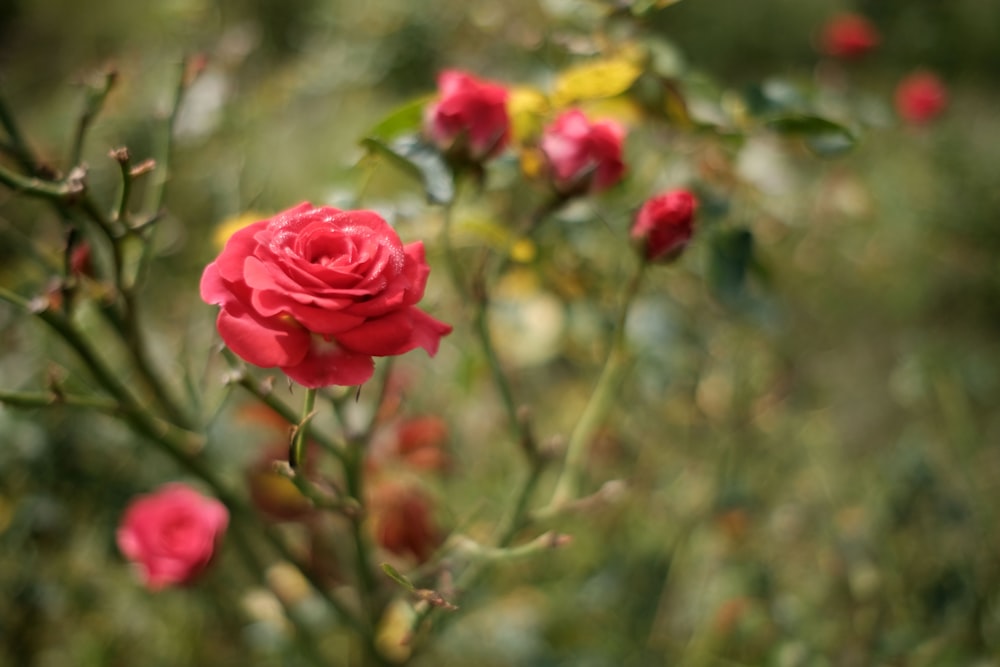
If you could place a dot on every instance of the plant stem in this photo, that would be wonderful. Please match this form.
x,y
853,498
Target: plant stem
x,y
296,452
601,400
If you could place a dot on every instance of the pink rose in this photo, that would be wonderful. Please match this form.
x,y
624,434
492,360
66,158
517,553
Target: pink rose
x,y
583,156
664,225
849,36
172,534
920,98
469,121
318,292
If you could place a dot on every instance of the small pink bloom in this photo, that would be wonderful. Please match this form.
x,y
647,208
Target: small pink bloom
x,y
318,292
849,36
583,156
172,534
469,120
920,98
664,225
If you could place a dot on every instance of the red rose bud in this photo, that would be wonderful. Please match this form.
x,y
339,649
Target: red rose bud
x,y
422,443
920,98
469,120
402,522
583,157
318,292
172,534
664,225
848,36
80,261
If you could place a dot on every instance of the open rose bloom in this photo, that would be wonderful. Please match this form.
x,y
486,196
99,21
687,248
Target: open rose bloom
x,y
583,157
664,225
318,292
849,36
172,534
920,98
469,120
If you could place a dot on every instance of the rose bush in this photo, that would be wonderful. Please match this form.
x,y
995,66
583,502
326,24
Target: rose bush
x,y
469,120
664,225
172,534
318,292
583,156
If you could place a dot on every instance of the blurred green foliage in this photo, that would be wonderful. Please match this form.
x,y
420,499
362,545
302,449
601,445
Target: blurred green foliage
x,y
812,451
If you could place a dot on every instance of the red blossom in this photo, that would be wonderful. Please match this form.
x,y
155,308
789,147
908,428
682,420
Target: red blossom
x,y
318,292
849,36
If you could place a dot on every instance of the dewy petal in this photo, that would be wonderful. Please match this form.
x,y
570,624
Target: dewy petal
x,y
327,363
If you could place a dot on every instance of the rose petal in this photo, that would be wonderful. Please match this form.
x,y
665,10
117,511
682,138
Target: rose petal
x,y
262,342
327,364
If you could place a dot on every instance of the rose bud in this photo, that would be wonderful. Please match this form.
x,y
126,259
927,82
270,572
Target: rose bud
x,y
920,98
318,292
664,225
469,121
80,260
848,36
401,520
583,157
422,443
172,534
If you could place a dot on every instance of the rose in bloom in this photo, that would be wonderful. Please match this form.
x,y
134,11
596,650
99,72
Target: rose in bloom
x,y
664,225
920,98
318,292
469,120
172,534
582,156
849,36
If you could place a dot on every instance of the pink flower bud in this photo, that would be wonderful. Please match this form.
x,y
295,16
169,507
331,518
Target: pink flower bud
x,y
848,36
469,120
583,157
172,534
920,98
664,225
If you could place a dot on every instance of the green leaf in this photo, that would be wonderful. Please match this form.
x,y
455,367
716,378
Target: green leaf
x,y
731,256
823,137
394,574
405,119
422,161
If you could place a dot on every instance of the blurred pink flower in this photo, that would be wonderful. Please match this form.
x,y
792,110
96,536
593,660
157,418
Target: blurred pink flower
x,y
849,36
664,225
469,120
582,156
921,97
172,534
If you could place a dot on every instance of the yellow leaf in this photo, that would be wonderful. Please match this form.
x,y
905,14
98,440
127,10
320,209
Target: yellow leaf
x,y
528,109
595,80
230,226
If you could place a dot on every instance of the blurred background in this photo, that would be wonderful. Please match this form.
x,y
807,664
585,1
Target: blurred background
x,y
812,456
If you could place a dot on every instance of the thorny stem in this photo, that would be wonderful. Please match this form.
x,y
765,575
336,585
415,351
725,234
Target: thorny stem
x,y
296,451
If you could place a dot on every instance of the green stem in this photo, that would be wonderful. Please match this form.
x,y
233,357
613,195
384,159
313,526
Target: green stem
x,y
93,103
296,452
267,397
49,399
18,145
61,192
598,406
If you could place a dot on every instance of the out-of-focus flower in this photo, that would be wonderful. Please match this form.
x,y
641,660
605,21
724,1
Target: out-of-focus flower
x,y
172,534
664,225
81,261
583,157
273,493
402,519
469,120
921,97
318,292
422,442
849,36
